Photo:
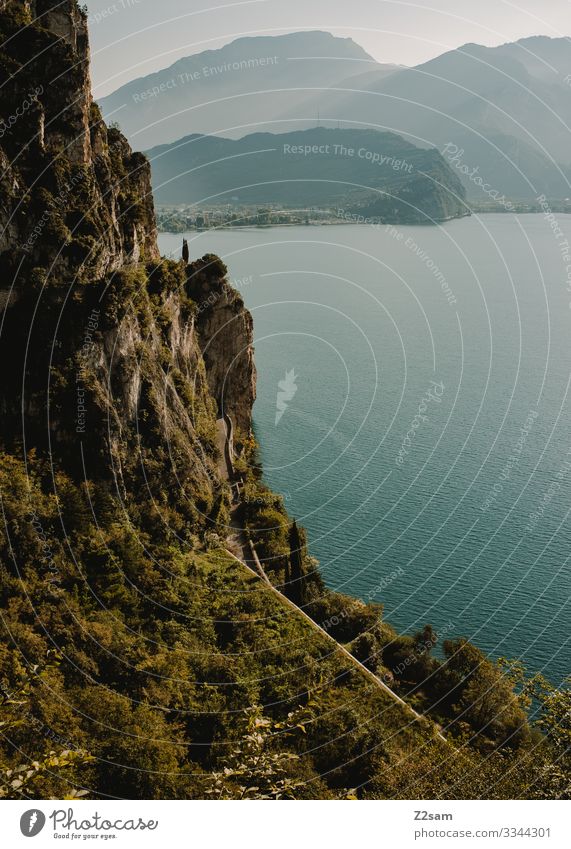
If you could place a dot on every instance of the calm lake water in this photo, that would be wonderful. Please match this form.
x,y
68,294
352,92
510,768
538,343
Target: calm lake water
x,y
460,337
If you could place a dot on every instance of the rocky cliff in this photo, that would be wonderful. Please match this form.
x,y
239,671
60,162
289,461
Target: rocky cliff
x,y
122,361
225,332
75,199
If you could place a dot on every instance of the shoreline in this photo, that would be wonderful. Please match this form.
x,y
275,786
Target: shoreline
x,y
341,223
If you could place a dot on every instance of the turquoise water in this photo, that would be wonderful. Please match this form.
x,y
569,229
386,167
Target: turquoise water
x,y
460,337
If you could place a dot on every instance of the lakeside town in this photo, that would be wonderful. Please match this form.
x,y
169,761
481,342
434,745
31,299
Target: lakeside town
x,y
182,218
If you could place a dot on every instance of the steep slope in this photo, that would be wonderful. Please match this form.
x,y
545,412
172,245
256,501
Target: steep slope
x,y
54,140
375,174
101,333
243,87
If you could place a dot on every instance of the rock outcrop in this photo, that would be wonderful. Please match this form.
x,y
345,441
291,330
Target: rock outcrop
x,y
76,200
119,367
225,332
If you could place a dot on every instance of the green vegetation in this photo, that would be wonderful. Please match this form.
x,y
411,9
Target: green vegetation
x,y
138,658
36,776
183,677
162,648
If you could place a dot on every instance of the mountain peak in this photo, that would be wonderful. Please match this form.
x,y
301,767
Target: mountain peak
x,y
316,39
225,90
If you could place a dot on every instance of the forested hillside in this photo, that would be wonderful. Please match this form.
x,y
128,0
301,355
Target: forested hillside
x,y
376,176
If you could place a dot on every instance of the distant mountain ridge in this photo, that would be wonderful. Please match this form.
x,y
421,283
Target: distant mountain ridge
x,y
377,175
244,86
506,108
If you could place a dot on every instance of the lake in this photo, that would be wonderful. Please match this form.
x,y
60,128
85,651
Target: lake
x,y
413,409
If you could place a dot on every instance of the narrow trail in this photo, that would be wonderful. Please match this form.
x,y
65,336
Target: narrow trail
x,y
238,545
241,550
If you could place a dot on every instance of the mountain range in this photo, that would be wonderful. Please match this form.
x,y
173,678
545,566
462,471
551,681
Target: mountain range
x,y
506,110
246,86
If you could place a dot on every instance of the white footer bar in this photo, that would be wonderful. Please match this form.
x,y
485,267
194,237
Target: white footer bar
x,y
284,825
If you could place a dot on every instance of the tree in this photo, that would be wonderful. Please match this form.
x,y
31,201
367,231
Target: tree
x,y
27,779
553,766
481,694
254,767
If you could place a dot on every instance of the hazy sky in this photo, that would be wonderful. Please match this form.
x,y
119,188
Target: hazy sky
x,y
130,38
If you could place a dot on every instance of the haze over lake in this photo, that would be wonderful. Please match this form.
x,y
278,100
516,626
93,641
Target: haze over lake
x,y
458,336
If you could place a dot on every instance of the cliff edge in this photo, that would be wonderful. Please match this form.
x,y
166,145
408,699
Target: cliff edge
x,y
121,360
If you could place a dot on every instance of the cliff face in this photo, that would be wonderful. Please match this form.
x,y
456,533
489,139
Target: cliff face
x,y
225,333
125,360
75,199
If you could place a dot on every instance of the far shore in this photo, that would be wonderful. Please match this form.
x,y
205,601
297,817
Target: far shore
x,y
343,223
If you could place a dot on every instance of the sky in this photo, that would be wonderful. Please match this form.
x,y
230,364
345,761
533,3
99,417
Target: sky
x,y
131,38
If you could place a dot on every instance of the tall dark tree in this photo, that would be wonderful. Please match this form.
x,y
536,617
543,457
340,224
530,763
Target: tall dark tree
x,y
185,253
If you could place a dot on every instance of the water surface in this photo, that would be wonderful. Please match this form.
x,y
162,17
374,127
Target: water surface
x,y
459,336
